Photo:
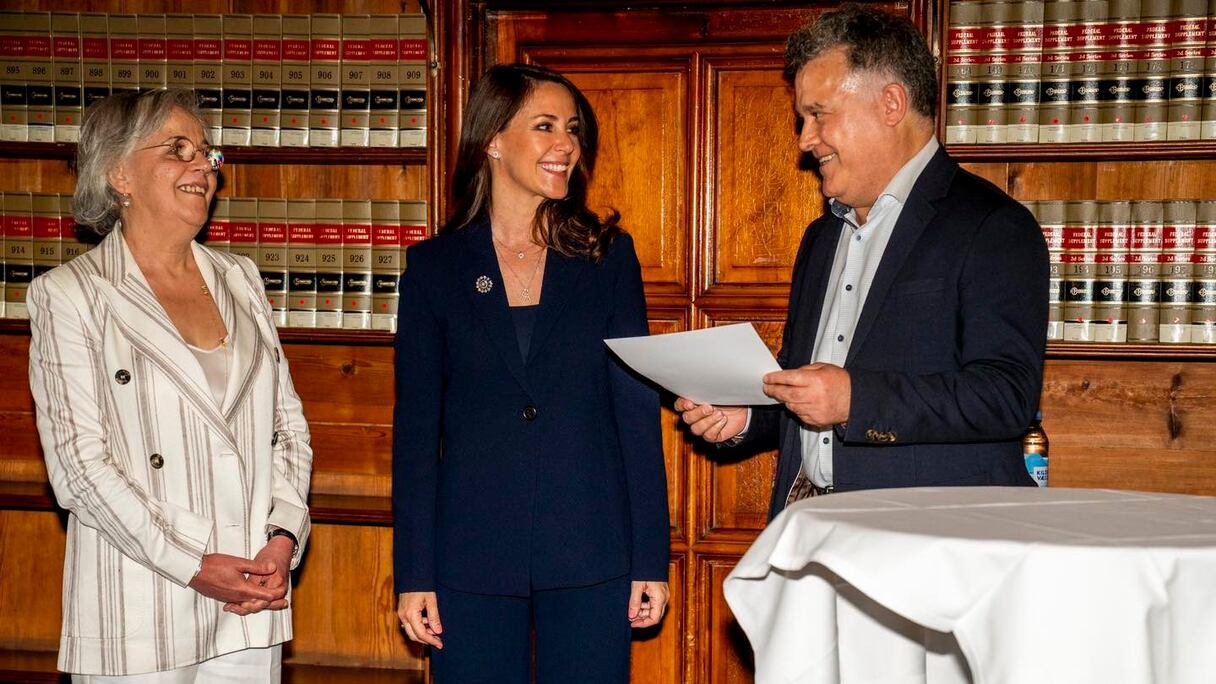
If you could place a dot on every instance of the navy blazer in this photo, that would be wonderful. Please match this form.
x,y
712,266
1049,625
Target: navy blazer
x,y
511,475
947,359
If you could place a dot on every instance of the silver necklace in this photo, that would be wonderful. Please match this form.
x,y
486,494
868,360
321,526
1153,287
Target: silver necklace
x,y
525,288
519,253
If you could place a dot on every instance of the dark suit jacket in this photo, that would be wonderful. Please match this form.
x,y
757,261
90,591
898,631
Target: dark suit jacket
x,y
511,475
947,359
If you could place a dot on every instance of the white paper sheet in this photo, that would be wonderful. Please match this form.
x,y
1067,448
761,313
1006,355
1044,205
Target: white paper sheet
x,y
723,365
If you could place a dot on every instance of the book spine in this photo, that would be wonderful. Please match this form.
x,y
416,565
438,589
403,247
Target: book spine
x,y
242,217
1118,99
384,118
301,263
1022,87
68,75
1084,66
1207,124
209,73
179,51
153,51
356,80
1054,88
238,78
219,230
1050,215
995,16
272,255
356,264
267,79
296,77
1144,284
386,263
1153,70
124,53
1080,258
326,84
962,70
1203,276
95,57
329,263
1177,248
70,243
13,80
1110,271
18,252
40,86
1188,37
45,218
411,85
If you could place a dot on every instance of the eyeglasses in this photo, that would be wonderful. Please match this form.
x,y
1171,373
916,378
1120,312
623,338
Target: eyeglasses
x,y
184,149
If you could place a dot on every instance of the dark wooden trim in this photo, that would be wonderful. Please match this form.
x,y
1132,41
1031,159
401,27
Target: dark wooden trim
x,y
1141,151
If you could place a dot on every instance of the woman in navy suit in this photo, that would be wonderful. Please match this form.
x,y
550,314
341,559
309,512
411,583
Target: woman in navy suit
x,y
529,492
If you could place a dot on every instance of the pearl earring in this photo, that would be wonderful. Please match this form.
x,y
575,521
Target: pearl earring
x,y
125,200
494,153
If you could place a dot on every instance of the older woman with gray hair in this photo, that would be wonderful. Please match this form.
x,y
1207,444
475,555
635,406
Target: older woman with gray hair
x,y
171,430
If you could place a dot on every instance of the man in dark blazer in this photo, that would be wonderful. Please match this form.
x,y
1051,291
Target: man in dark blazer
x,y
913,347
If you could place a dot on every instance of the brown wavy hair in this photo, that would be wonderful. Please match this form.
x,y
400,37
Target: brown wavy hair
x,y
565,225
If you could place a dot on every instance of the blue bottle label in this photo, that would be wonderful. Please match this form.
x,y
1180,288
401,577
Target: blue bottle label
x,y
1036,465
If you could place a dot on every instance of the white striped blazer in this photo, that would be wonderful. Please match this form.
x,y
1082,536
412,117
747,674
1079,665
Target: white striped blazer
x,y
152,472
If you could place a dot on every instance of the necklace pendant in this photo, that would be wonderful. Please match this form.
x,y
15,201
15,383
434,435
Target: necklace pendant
x,y
519,255
527,293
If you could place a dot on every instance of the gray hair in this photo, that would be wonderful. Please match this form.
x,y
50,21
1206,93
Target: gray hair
x,y
875,42
109,132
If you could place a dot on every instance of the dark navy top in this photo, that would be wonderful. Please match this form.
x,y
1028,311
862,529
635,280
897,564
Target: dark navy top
x,y
525,320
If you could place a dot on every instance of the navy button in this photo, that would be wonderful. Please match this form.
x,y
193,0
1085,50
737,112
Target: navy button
x,y
529,413
157,461
840,338
122,377
848,288
825,440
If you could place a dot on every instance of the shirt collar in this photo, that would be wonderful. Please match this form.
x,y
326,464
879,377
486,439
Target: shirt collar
x,y
899,187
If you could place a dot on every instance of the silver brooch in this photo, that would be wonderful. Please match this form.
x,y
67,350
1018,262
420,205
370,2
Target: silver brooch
x,y
483,284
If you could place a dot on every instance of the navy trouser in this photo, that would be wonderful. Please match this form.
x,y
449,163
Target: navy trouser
x,y
582,635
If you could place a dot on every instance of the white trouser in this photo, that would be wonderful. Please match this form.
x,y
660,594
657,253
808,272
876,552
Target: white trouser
x,y
250,666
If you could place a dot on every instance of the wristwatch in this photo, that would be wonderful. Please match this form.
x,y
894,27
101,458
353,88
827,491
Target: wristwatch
x,y
280,532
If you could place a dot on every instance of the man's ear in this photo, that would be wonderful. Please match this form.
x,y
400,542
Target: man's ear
x,y
895,103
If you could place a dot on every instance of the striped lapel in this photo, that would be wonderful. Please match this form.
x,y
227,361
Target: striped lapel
x,y
142,321
239,310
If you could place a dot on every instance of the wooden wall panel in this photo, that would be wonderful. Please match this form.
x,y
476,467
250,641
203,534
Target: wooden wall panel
x,y
344,608
675,450
658,652
31,573
643,116
759,198
733,488
1133,425
725,657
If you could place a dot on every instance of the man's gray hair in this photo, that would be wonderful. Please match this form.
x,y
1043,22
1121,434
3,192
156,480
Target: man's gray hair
x,y
875,42
109,132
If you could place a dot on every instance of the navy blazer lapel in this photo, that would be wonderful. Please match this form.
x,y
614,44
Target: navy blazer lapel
x,y
491,306
562,274
814,288
920,208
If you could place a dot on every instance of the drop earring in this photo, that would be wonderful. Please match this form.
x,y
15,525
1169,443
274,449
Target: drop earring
x,y
125,199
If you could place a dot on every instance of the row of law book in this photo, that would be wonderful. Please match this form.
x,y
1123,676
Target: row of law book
x,y
325,263
1080,71
321,80
1131,271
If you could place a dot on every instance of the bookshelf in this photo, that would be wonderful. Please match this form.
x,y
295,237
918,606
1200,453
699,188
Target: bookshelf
x,y
344,377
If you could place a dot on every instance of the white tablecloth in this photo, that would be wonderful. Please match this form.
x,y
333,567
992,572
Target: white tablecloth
x,y
1034,585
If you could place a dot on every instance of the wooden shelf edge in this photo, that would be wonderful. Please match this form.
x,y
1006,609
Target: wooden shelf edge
x,y
29,666
1131,351
371,338
337,509
1135,151
408,156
